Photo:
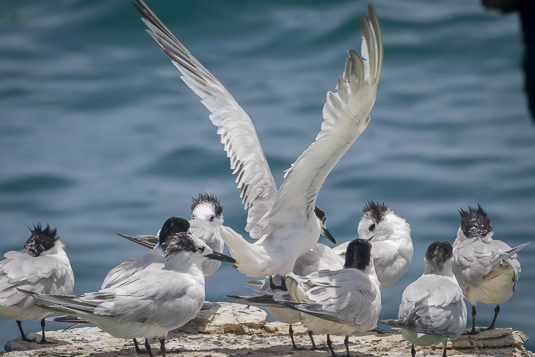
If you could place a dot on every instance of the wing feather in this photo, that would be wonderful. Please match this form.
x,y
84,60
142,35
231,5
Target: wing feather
x,y
346,115
237,132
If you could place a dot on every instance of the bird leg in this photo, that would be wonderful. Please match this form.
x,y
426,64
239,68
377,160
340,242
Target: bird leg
x,y
294,346
138,350
330,344
162,346
22,334
43,339
444,354
147,346
473,331
314,347
346,342
413,351
496,312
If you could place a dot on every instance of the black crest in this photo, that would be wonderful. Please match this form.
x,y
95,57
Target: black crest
x,y
41,239
178,242
438,253
171,227
377,210
358,254
210,198
474,222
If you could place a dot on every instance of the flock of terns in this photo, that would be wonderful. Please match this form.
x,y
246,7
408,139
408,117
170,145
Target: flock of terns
x,y
333,291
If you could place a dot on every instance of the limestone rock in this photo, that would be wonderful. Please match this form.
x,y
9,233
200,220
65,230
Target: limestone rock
x,y
224,329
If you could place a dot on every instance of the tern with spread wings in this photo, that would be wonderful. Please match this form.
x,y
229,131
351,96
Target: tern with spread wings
x,y
286,222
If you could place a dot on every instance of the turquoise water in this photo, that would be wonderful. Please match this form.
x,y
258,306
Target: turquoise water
x,y
99,135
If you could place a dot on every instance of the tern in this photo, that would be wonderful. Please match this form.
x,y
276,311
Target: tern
x,y
390,236
392,250
42,266
432,309
151,302
487,270
155,259
285,221
205,224
337,302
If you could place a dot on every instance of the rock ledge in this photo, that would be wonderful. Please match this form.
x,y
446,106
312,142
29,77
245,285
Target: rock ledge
x,y
224,329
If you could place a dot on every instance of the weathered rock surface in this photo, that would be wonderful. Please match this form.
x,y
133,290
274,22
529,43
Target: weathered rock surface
x,y
223,329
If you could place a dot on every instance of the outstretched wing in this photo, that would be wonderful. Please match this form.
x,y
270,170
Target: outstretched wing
x,y
346,114
238,135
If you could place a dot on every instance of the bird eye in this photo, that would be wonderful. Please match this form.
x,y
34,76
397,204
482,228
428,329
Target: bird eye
x,y
212,218
201,249
372,227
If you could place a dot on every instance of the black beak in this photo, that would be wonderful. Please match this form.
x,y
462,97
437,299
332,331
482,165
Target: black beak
x,y
222,258
328,235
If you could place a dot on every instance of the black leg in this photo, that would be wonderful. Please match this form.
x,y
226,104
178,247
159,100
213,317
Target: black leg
x,y
162,346
43,339
138,350
22,334
444,354
413,351
294,346
473,319
314,347
346,342
147,346
474,330
330,344
312,340
496,312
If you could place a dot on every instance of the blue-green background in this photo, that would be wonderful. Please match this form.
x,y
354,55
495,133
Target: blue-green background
x,y
99,135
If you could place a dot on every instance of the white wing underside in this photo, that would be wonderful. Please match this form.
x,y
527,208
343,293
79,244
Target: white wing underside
x,y
238,135
346,115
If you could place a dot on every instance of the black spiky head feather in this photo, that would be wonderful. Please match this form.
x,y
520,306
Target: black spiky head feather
x,y
376,210
474,222
209,198
358,254
41,239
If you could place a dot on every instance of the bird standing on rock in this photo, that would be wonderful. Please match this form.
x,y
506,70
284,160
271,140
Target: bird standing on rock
x,y
151,301
42,266
432,309
332,302
487,270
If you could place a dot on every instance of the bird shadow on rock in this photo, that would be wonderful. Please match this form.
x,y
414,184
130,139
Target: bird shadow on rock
x,y
19,345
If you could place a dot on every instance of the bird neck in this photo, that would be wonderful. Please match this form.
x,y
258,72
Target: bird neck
x,y
446,269
184,263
